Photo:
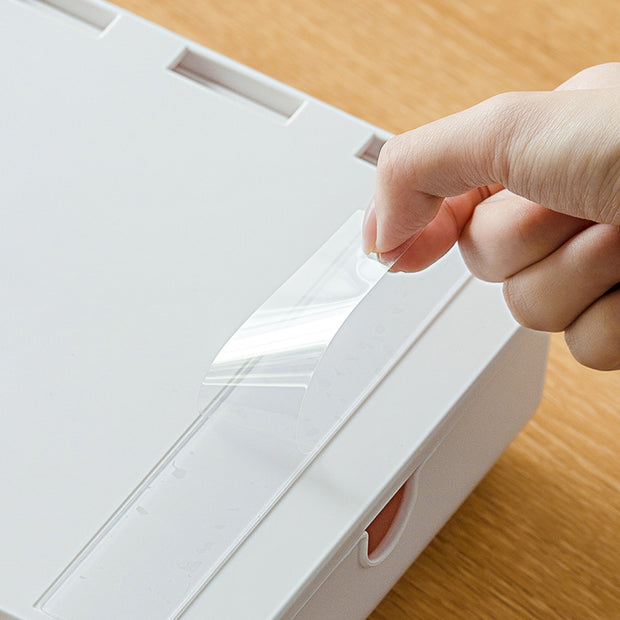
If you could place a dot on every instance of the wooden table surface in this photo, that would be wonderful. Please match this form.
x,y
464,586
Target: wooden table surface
x,y
540,536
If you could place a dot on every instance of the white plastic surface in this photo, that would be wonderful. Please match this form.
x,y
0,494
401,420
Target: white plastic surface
x,y
146,214
473,357
145,217
487,418
275,394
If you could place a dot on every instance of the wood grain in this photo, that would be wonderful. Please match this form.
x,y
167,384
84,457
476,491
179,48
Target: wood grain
x,y
540,536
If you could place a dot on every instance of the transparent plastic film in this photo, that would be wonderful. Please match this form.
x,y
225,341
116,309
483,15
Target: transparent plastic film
x,y
279,389
263,372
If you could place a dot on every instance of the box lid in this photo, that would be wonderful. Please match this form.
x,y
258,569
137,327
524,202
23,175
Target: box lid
x,y
155,194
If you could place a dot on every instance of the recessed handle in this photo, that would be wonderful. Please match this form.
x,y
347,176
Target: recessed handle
x,y
384,531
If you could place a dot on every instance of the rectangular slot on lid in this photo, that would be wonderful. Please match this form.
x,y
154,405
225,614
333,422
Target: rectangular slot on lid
x,y
238,84
370,151
91,15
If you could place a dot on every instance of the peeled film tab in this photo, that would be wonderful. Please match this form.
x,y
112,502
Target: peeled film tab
x,y
275,394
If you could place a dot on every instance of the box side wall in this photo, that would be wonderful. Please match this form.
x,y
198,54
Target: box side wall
x,y
488,417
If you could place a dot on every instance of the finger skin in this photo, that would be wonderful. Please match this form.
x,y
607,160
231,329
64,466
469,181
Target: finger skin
x,y
507,234
594,338
606,75
444,231
559,149
551,294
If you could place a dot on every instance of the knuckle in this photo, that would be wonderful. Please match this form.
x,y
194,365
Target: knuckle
x,y
592,356
505,102
604,68
504,113
477,260
597,76
505,249
528,307
581,351
603,74
576,346
605,247
472,257
610,238
594,338
390,155
517,304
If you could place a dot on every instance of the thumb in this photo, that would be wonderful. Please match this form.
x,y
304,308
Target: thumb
x,y
560,149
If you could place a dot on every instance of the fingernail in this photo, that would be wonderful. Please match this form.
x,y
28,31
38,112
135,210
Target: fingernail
x,y
369,228
392,257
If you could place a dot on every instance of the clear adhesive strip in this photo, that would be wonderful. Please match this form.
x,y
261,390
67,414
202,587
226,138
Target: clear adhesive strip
x,y
276,393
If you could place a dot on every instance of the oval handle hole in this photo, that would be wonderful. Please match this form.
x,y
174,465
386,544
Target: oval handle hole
x,y
386,528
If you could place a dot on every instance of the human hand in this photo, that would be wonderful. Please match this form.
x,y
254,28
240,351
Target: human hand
x,y
560,263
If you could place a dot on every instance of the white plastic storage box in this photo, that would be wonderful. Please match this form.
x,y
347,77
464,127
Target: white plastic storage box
x,y
161,204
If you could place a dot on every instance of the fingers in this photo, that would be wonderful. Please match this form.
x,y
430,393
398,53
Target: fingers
x,y
507,233
442,233
551,294
562,150
594,338
559,149
606,75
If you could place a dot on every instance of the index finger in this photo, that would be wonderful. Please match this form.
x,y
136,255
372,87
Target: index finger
x,y
559,149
